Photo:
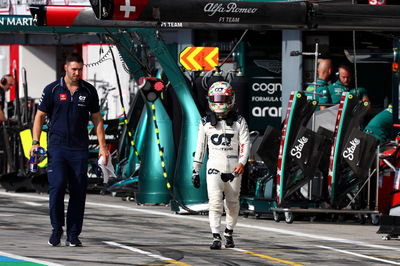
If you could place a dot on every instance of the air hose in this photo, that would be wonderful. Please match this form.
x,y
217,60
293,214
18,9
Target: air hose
x,y
130,133
165,175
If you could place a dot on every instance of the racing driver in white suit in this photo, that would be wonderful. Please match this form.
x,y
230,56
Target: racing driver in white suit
x,y
225,136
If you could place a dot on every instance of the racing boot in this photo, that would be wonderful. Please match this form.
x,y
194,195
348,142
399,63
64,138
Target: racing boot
x,y
216,244
228,238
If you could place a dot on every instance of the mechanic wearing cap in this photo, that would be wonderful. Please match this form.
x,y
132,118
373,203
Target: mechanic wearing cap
x,y
225,135
68,103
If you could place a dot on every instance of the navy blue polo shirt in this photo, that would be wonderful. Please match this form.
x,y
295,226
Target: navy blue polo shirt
x,y
69,114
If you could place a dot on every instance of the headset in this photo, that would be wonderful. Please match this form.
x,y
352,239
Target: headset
x,y
4,81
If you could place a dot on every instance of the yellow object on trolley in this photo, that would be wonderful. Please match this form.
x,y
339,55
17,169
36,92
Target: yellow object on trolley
x,y
26,141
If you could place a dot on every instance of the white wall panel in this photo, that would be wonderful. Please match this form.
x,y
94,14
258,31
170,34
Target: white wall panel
x,y
103,74
40,65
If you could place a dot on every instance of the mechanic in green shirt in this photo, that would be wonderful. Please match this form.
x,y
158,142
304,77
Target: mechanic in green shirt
x,y
324,72
343,85
381,126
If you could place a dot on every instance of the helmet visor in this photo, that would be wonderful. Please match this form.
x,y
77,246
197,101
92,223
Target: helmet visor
x,y
220,98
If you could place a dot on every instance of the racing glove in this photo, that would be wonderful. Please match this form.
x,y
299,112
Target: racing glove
x,y
227,177
196,179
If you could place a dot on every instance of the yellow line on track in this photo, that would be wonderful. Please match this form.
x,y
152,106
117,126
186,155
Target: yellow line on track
x,y
176,262
268,257
162,258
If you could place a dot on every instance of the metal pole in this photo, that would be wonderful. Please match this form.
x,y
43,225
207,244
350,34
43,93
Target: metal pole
x,y
25,86
315,81
369,191
355,62
314,97
17,102
315,68
7,149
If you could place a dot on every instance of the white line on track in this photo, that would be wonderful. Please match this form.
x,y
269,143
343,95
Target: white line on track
x,y
159,257
262,228
32,203
361,255
28,259
268,229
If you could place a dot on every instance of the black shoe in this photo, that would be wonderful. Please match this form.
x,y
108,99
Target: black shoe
x,y
73,241
216,244
229,239
55,238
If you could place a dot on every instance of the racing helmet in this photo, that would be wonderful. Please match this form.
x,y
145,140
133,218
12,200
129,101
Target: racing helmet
x,y
221,97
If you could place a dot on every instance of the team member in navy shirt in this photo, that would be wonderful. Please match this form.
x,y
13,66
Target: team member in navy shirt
x,y
68,103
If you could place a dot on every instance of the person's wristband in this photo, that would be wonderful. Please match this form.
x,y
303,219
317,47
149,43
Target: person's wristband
x,y
35,142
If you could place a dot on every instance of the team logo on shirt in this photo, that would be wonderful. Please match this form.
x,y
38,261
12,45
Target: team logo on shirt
x,y
82,100
63,96
338,91
223,139
212,171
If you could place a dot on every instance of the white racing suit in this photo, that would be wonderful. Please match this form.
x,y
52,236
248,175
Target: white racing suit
x,y
227,147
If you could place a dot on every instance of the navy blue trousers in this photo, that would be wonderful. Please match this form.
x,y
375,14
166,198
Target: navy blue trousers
x,y
67,168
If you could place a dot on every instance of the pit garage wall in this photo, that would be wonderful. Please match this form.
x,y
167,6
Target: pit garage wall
x,y
100,72
39,62
4,59
40,65
5,63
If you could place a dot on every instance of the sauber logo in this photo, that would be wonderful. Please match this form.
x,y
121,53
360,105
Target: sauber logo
x,y
129,9
349,152
63,97
296,151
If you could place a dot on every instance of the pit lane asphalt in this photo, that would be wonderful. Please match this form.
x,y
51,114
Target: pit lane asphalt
x,y
117,232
